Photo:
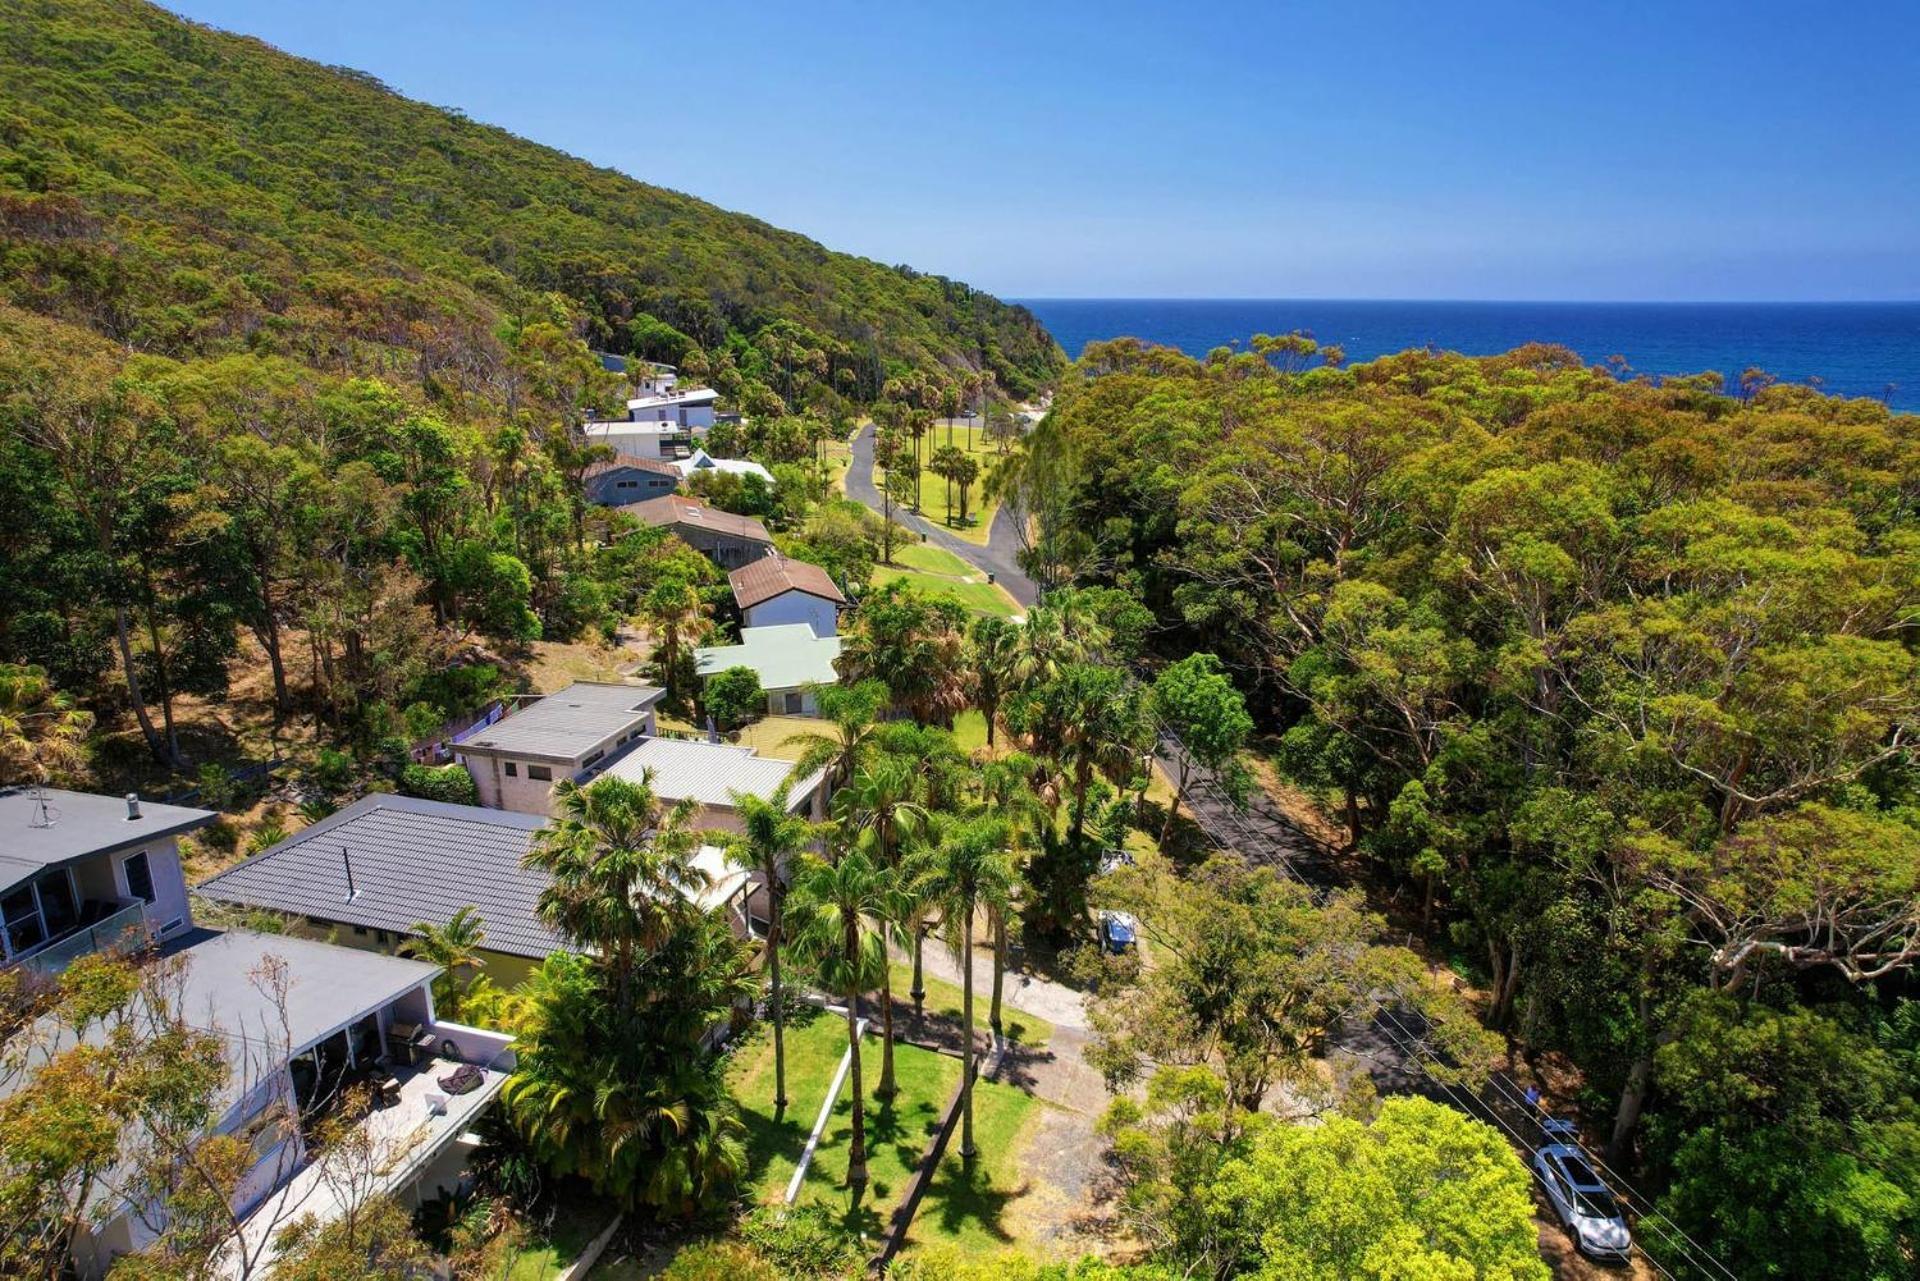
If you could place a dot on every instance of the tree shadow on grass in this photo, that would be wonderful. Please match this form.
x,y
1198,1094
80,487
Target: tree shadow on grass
x,y
963,1195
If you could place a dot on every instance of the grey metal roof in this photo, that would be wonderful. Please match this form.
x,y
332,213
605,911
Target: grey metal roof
x,y
226,985
566,725
710,772
224,982
413,860
82,824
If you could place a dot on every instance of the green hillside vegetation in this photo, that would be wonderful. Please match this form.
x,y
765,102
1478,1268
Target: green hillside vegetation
x,y
189,192
1613,686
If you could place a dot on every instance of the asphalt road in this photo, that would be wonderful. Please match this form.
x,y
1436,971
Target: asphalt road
x,y
1000,557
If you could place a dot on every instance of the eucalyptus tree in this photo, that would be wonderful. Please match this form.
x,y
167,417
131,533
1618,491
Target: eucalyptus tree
x,y
839,912
968,870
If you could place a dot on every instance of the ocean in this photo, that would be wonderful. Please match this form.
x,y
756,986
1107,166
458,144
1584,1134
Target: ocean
x,y
1855,349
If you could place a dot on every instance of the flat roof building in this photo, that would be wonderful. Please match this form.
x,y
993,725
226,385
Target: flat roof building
x,y
710,773
515,761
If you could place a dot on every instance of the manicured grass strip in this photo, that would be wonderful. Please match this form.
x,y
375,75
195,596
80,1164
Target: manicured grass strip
x,y
979,597
966,1205
897,1131
815,1042
933,560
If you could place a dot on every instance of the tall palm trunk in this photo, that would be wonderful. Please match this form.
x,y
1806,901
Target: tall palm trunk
x,y
779,1001
887,1089
999,919
967,1067
919,992
857,1145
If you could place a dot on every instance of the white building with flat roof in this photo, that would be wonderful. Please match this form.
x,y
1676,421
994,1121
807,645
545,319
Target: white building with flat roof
x,y
516,761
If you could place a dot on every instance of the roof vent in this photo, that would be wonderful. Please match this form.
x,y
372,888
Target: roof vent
x,y
133,807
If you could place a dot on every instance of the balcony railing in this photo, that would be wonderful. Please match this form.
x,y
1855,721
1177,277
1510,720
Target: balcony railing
x,y
123,931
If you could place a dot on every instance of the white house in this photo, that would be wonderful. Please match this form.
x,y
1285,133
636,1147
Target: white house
x,y
516,761
712,774
775,590
704,462
299,1021
691,408
656,440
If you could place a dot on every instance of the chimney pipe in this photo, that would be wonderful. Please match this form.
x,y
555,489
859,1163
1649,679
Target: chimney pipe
x,y
347,858
133,806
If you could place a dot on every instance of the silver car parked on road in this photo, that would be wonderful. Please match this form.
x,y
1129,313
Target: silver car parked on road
x,y
1589,1209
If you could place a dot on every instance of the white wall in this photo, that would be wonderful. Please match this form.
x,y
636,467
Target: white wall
x,y
169,885
795,607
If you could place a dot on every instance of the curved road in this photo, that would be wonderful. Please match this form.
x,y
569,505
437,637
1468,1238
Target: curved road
x,y
1000,557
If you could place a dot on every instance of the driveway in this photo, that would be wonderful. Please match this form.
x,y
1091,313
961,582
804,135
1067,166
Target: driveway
x,y
1000,557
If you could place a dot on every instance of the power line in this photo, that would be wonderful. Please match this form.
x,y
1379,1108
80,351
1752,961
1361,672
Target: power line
x,y
1670,1232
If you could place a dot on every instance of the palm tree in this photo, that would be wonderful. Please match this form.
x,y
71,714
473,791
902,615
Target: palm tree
x,y
622,869
455,948
678,616
769,837
1006,790
838,911
41,732
880,800
968,870
853,713
992,649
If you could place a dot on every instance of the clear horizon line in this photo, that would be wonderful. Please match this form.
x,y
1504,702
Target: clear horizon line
x,y
1500,302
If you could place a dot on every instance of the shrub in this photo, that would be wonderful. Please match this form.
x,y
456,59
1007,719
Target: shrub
x,y
449,783
332,770
720,1261
734,697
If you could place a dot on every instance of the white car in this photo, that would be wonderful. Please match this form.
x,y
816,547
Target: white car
x,y
1589,1209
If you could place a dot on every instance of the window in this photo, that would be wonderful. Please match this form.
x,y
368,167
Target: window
x,y
21,914
626,484
513,771
539,773
795,702
139,877
592,758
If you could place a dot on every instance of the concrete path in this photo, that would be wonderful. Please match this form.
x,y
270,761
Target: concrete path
x,y
1000,557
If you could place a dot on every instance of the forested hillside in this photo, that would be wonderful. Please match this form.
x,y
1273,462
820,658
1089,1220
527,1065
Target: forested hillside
x,y
1613,686
188,192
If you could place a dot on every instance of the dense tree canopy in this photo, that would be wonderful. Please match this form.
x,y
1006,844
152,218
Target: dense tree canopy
x,y
1616,678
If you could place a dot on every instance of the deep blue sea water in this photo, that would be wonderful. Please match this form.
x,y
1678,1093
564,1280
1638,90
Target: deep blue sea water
x,y
1856,348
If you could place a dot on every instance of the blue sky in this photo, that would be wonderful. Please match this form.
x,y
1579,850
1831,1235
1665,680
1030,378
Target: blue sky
x,y
1631,150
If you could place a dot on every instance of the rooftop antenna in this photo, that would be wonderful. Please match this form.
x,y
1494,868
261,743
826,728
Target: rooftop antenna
x,y
347,858
43,814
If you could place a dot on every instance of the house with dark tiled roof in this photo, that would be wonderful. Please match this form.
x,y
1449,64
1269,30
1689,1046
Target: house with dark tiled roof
x,y
729,541
776,590
370,874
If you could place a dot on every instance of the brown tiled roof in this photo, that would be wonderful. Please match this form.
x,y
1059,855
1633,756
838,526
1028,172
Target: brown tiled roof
x,y
677,509
606,465
776,575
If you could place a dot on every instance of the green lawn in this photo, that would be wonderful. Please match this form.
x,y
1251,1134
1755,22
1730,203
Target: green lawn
x,y
929,559
970,730
956,1209
552,1246
941,573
